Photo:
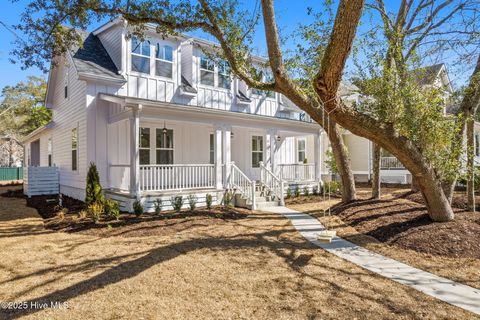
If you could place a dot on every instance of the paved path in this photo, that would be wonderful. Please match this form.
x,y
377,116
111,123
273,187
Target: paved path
x,y
457,294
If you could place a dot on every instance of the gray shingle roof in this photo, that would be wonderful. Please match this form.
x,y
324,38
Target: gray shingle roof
x,y
93,59
427,75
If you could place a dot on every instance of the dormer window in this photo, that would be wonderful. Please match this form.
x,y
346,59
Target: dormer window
x,y
140,56
224,79
207,71
164,61
265,77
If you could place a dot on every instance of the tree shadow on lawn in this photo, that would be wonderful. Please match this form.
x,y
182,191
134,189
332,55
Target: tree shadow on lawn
x,y
142,261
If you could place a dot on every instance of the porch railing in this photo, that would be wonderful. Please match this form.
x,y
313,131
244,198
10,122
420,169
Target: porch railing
x,y
242,184
274,184
176,177
296,172
390,163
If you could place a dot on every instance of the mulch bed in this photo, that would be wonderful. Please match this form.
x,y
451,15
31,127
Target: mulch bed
x,y
406,224
309,199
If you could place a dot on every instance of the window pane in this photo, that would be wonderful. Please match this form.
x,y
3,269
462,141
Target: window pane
x,y
301,144
270,94
207,64
74,160
141,64
144,156
164,141
207,77
168,53
224,81
164,156
256,158
144,137
146,48
212,149
49,160
301,156
135,46
74,139
257,143
163,69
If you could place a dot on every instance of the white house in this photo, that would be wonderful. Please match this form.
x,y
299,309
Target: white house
x,y
159,118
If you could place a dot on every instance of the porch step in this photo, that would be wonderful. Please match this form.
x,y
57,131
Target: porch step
x,y
261,201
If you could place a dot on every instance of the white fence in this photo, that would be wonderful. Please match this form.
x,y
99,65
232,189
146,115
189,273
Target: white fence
x,y
40,181
296,172
390,163
176,177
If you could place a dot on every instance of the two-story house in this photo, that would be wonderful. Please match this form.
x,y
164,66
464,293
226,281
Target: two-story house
x,y
159,117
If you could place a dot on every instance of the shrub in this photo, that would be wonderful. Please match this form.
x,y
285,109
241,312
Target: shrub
x,y
289,193
332,186
158,205
209,201
82,215
177,203
227,199
306,191
137,208
112,209
93,190
192,201
95,211
315,191
296,192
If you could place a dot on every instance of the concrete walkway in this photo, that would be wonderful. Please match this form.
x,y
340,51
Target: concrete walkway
x,y
457,294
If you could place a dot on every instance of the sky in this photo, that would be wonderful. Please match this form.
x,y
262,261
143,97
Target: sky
x,y
289,17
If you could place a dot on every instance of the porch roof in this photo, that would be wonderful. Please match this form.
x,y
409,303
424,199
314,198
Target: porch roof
x,y
206,114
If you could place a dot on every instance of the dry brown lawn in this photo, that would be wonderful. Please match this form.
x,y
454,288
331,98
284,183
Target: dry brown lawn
x,y
253,268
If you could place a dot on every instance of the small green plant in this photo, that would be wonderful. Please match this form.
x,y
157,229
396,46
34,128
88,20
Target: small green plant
x,y
305,161
289,193
157,205
95,211
137,208
315,191
296,192
227,199
112,209
93,190
192,201
109,227
209,201
177,203
82,214
306,191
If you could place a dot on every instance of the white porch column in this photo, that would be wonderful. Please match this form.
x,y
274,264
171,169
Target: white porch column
x,y
135,151
217,141
227,154
318,155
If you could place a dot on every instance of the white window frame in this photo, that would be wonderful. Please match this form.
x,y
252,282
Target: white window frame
x,y
304,151
160,45
140,148
226,72
50,152
75,147
260,151
202,57
158,148
132,54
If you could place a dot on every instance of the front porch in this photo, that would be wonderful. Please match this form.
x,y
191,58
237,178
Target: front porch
x,y
156,153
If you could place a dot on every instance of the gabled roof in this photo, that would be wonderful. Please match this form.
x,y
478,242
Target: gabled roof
x,y
428,75
92,60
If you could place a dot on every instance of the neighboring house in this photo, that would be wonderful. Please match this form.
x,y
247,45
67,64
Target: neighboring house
x,y
159,118
11,152
392,170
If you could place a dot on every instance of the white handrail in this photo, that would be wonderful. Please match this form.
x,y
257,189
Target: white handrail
x,y
241,183
274,184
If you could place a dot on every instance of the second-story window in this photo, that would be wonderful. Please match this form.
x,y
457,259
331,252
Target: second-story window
x,y
140,56
224,80
207,71
164,61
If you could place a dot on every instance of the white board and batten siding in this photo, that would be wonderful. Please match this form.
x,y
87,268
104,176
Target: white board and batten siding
x,y
40,181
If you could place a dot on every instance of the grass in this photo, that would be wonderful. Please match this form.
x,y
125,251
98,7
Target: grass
x,y
258,267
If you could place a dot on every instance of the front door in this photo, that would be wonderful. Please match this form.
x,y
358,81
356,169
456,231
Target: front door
x,y
257,148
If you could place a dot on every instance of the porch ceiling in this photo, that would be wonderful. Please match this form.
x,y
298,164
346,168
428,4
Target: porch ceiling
x,y
152,109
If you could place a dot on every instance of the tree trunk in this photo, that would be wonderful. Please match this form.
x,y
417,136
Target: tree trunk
x,y
470,163
342,159
376,171
414,186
